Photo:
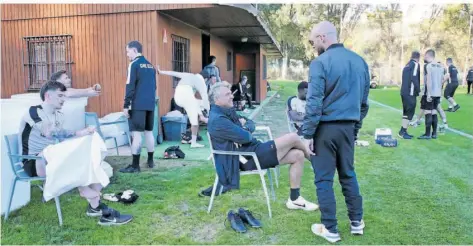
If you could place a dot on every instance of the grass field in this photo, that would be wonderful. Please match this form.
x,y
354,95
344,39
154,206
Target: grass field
x,y
417,193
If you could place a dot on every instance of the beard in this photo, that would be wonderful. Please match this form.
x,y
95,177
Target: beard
x,y
320,51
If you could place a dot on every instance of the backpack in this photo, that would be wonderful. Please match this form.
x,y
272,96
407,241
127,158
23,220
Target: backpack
x,y
174,152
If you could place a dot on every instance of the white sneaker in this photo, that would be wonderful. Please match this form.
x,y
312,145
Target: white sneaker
x,y
357,227
445,126
321,231
197,145
301,203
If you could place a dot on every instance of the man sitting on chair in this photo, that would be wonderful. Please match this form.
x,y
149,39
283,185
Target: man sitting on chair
x,y
296,106
227,134
39,128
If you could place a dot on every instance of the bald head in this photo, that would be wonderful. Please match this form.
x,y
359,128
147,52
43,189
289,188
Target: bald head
x,y
323,35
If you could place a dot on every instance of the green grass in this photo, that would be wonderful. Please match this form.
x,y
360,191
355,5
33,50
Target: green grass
x,y
417,193
461,120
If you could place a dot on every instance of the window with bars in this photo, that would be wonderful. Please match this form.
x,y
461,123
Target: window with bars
x,y
180,56
229,61
44,56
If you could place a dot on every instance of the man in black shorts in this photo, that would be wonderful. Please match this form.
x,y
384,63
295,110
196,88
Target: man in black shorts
x,y
432,93
451,86
140,100
410,89
227,133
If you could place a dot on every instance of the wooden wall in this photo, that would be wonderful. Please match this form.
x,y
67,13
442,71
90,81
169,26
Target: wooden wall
x,y
219,48
98,51
259,73
243,62
32,11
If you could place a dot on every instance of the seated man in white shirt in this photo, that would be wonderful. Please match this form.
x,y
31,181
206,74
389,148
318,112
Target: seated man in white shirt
x,y
296,106
40,127
62,77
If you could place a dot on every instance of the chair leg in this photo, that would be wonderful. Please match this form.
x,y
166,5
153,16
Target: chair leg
x,y
213,194
12,192
116,145
270,177
276,175
263,182
58,209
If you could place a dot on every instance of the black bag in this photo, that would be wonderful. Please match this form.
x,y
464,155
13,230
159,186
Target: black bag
x,y
174,152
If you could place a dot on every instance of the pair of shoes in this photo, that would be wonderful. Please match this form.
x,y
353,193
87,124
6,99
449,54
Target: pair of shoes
x,y
237,220
301,203
356,228
108,215
130,169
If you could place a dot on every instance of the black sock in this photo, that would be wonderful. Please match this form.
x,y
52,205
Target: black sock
x,y
150,156
428,124
136,161
434,124
294,194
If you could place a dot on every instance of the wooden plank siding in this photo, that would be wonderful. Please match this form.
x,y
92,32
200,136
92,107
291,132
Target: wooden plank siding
x,y
33,11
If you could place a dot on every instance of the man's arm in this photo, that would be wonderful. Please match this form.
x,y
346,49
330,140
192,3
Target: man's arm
x,y
364,102
76,93
315,97
429,81
226,129
130,85
217,72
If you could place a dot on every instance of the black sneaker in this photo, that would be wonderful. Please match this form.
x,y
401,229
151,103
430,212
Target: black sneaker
x,y
95,212
236,222
448,110
111,217
130,169
248,218
404,135
424,137
456,107
150,163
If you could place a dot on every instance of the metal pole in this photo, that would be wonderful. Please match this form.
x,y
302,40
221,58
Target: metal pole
x,y
467,50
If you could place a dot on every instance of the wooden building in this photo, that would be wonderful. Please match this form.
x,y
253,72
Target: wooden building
x,y
88,40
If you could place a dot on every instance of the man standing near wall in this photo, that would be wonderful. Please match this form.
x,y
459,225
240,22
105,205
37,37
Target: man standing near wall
x,y
140,100
337,103
211,69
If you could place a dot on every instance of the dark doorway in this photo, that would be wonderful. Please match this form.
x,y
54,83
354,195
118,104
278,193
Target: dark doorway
x,y
205,49
251,75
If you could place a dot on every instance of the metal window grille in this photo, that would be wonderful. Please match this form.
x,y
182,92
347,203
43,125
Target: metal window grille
x,y
180,56
45,55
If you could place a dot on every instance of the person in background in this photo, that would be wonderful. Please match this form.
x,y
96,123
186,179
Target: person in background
x,y
211,69
296,106
451,87
410,89
469,79
62,77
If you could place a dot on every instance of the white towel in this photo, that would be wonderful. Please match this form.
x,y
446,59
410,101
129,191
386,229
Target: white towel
x,y
74,163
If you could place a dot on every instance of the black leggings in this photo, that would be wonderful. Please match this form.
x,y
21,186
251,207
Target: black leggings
x,y
470,82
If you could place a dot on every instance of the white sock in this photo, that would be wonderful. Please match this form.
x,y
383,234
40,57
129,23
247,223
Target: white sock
x,y
194,139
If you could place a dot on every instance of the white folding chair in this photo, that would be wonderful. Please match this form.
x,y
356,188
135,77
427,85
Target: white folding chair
x,y
258,171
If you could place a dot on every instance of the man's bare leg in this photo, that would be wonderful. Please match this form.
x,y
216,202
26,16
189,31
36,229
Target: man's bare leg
x,y
295,158
195,131
287,142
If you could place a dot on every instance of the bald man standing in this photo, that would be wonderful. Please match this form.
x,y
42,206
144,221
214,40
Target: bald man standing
x,y
337,102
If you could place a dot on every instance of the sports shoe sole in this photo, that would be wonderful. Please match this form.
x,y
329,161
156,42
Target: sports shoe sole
x,y
93,214
295,207
114,223
357,232
330,239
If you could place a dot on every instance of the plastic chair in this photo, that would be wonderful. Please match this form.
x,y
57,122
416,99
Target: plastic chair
x,y
92,119
20,174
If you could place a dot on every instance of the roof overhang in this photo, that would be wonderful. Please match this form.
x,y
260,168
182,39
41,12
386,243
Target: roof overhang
x,y
230,22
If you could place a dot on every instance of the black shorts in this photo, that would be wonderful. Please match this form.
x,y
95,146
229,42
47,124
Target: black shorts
x,y
450,90
30,167
429,105
267,155
141,120
408,106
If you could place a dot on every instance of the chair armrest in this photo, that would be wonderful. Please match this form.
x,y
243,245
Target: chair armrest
x,y
265,128
223,152
114,122
28,157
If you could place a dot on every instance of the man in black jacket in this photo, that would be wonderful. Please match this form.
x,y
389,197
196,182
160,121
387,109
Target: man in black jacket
x,y
410,89
469,79
140,100
452,84
337,102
